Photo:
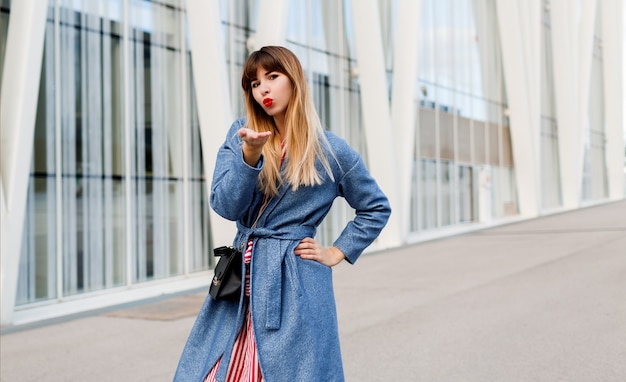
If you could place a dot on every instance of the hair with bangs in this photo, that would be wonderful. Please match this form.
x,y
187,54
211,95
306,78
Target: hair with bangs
x,y
304,138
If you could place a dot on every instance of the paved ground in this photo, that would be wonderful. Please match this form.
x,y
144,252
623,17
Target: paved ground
x,y
541,300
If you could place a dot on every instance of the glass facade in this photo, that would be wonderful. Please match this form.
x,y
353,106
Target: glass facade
x,y
239,24
462,147
155,140
116,193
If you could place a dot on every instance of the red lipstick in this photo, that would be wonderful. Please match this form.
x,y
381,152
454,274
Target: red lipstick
x,y
268,102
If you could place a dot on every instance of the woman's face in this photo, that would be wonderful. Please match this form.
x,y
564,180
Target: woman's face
x,y
272,90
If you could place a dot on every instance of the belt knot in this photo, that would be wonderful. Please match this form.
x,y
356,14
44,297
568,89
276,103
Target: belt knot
x,y
272,240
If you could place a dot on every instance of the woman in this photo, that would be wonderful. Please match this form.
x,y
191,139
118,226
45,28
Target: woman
x,y
277,175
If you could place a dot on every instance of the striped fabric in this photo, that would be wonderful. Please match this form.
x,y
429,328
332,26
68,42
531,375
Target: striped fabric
x,y
244,362
247,257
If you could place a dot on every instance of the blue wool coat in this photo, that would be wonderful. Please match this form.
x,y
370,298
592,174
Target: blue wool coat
x,y
292,300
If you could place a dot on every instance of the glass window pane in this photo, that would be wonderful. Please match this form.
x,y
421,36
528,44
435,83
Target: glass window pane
x,y
200,254
466,192
239,19
507,150
427,133
92,145
480,154
426,36
460,76
429,192
505,200
37,272
493,131
464,140
156,140
446,176
446,136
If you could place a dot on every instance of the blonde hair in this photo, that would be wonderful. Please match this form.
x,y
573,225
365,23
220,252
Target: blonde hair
x,y
305,138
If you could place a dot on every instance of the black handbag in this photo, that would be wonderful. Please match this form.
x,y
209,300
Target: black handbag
x,y
227,281
226,284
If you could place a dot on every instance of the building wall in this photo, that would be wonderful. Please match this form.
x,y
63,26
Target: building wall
x,y
481,112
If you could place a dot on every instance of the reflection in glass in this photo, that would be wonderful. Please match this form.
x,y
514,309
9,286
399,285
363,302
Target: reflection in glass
x,y
200,254
37,270
83,185
461,104
505,200
239,19
430,195
92,186
156,160
448,186
466,194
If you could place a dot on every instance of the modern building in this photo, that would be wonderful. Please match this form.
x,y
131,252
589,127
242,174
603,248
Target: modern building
x,y
469,113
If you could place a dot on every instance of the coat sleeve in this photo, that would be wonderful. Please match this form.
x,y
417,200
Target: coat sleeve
x,y
234,181
372,209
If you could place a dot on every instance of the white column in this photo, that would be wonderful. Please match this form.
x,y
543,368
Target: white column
x,y
613,50
376,111
18,106
272,24
403,104
585,41
519,28
566,69
210,77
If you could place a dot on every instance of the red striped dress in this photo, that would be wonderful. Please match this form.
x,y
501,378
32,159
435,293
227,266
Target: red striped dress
x,y
244,362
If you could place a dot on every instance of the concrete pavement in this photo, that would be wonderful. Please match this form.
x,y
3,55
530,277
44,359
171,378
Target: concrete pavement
x,y
539,300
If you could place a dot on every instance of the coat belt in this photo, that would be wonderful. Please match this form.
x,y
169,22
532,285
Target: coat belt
x,y
275,258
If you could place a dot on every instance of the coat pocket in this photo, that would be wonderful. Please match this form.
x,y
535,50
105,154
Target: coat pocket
x,y
292,273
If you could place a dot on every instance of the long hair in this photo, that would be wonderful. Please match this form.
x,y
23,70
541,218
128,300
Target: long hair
x,y
304,138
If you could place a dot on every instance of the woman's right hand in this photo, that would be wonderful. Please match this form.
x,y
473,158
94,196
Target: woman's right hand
x,y
253,143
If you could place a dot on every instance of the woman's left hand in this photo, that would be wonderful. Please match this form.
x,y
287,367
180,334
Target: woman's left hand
x,y
310,249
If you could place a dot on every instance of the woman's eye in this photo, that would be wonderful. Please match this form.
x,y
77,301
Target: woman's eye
x,y
273,76
255,84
